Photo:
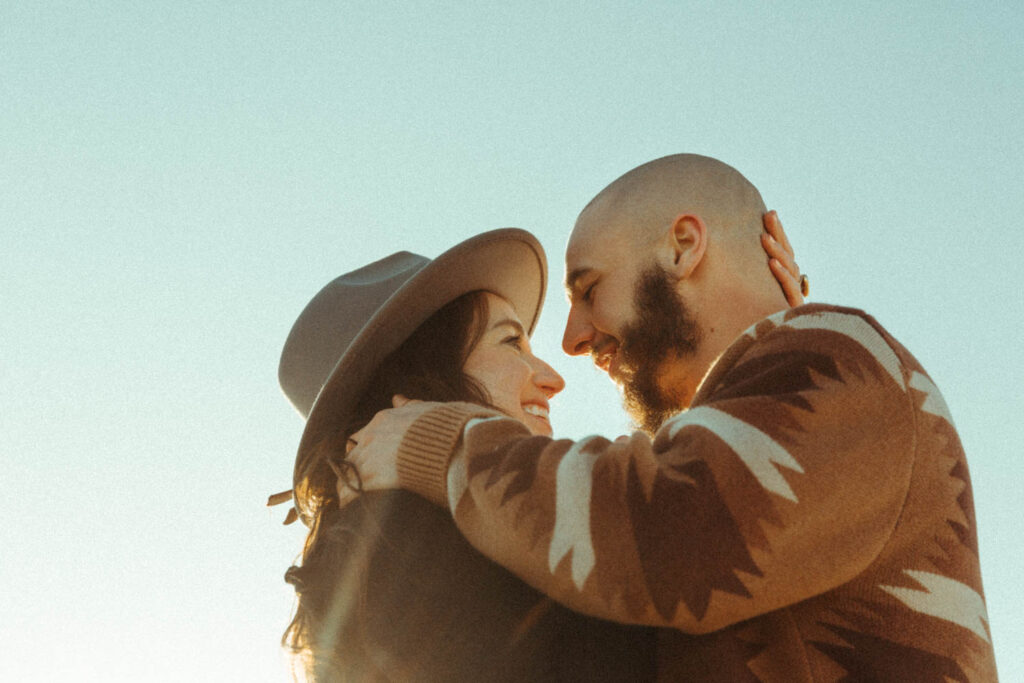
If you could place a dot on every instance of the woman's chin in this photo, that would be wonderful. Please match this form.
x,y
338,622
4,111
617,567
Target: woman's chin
x,y
538,426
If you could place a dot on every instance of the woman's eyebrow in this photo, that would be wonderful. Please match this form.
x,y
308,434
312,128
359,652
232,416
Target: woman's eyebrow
x,y
515,324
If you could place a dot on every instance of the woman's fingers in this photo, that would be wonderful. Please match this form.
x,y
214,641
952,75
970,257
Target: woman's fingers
x,y
790,284
781,259
777,245
785,270
774,249
774,227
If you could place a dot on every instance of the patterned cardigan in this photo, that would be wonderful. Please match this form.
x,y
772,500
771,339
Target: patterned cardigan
x,y
808,518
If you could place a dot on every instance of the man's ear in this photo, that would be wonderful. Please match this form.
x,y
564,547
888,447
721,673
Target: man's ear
x,y
688,239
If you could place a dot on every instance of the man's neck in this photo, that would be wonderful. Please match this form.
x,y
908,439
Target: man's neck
x,y
681,378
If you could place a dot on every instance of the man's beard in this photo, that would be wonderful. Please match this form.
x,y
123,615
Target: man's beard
x,y
664,330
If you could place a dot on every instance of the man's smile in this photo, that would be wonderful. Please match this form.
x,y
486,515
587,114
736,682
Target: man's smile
x,y
605,356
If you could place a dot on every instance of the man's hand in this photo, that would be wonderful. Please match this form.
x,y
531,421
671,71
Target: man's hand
x,y
373,450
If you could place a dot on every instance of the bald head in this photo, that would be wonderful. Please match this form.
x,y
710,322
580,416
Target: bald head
x,y
645,201
680,237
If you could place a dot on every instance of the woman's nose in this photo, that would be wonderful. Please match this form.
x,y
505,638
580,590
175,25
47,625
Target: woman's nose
x,y
547,378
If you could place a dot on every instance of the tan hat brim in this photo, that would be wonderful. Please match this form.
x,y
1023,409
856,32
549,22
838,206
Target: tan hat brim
x,y
508,262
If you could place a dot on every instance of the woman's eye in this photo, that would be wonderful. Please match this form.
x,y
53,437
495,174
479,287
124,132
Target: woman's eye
x,y
516,341
588,294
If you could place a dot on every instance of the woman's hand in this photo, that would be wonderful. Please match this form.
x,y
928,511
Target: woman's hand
x,y
781,261
373,450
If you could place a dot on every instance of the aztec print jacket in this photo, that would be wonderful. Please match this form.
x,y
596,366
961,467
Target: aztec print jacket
x,y
808,518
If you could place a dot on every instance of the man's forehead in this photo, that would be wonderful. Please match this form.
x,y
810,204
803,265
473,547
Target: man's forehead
x,y
579,256
595,238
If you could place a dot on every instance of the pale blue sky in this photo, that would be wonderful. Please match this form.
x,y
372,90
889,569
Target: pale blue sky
x,y
177,180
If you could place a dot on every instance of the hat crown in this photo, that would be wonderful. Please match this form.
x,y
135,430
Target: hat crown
x,y
401,264
333,319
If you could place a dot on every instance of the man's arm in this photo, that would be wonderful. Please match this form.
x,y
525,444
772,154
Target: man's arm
x,y
784,481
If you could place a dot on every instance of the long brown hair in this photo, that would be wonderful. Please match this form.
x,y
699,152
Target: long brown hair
x,y
328,636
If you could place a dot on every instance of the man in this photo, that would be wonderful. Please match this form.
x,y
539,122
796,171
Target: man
x,y
807,517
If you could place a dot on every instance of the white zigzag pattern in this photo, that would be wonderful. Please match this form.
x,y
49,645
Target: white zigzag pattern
x,y
573,484
945,599
934,403
758,451
458,476
857,329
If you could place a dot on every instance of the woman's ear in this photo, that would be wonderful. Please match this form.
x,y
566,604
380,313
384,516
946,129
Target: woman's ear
x,y
688,240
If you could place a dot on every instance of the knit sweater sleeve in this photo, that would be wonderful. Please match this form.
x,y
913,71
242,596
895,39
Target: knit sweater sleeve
x,y
427,448
784,480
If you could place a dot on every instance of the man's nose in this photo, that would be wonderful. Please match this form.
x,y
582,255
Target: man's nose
x,y
579,333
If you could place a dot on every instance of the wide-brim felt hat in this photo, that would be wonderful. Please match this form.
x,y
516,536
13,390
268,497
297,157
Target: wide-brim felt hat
x,y
358,319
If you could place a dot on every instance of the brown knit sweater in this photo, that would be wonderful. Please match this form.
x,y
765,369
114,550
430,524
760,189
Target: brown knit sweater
x,y
809,518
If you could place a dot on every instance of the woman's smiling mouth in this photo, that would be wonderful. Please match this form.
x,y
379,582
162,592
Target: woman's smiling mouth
x,y
536,410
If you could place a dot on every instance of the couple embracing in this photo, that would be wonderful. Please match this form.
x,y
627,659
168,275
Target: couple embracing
x,y
795,505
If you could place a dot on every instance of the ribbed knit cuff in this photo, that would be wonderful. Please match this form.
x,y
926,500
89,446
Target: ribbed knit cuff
x,y
428,447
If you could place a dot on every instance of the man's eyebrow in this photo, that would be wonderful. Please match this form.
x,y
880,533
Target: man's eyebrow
x,y
573,277
515,324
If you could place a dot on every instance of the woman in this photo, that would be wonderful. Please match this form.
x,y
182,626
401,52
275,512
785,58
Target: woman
x,y
387,587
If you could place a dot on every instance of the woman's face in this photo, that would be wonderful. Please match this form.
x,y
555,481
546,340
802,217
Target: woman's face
x,y
518,382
